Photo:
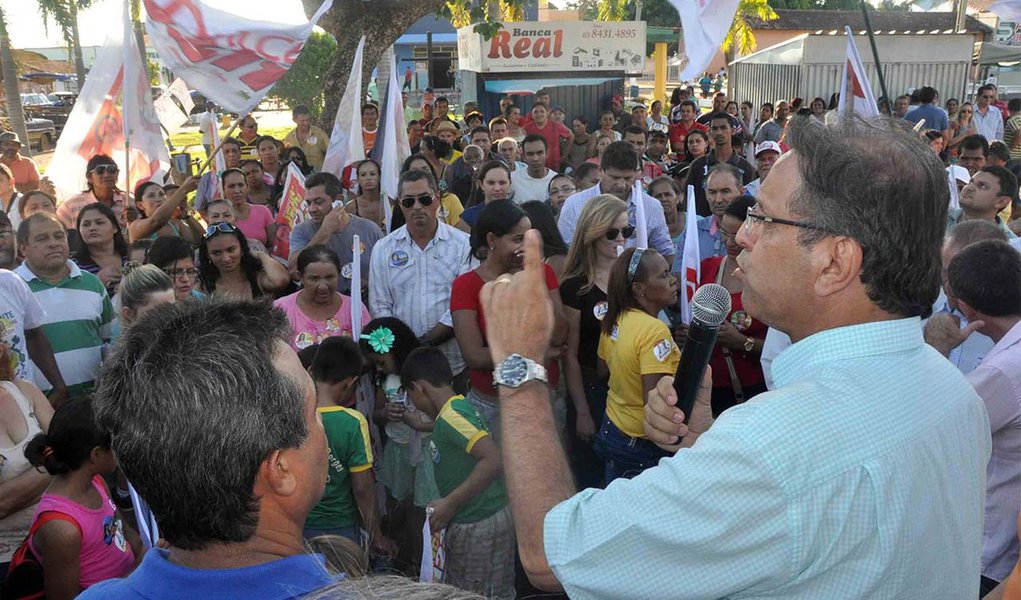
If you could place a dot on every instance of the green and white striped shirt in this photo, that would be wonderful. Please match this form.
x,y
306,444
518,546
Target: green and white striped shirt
x,y
78,320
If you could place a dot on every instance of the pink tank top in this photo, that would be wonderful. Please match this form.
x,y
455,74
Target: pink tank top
x,y
105,553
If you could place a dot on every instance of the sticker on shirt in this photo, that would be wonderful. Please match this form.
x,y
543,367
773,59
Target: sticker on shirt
x,y
741,320
398,259
333,326
662,349
613,333
600,309
313,140
346,271
113,533
434,452
304,340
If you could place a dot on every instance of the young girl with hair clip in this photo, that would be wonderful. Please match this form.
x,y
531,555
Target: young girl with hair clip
x,y
406,470
81,539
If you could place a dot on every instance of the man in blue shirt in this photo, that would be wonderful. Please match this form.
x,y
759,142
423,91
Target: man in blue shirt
x,y
860,475
935,117
214,422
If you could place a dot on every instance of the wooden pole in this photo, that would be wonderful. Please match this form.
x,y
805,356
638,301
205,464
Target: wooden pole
x,y
212,155
875,56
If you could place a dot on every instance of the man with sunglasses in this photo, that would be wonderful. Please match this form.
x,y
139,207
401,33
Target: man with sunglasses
x,y
988,119
332,225
832,484
414,267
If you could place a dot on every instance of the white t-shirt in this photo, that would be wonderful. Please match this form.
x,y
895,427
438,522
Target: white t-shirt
x,y
527,188
19,310
207,121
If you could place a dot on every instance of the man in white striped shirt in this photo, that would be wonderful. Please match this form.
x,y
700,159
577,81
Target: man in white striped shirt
x,y
412,269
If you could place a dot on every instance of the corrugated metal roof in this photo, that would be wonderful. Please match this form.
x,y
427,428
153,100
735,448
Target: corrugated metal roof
x,y
826,20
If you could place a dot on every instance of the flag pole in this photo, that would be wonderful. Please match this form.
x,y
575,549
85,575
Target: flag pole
x,y
212,155
875,56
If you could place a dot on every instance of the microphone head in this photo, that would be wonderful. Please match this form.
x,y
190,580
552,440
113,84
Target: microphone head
x,y
710,304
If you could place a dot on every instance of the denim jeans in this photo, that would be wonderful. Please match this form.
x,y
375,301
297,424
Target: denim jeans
x,y
624,455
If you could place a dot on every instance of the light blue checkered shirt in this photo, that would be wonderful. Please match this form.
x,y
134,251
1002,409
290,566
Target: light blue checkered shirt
x,y
861,476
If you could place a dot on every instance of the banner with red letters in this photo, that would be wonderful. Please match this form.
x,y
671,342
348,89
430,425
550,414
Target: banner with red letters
x,y
231,59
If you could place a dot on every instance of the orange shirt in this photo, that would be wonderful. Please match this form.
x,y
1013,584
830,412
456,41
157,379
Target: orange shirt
x,y
369,139
24,171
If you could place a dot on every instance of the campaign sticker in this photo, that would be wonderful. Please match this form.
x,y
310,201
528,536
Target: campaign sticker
x,y
741,320
435,452
662,349
313,140
346,271
304,340
600,309
399,258
613,333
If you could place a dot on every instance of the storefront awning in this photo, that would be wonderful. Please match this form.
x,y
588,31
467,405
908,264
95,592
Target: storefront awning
x,y
531,86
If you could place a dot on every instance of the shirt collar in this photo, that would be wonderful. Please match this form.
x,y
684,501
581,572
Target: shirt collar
x,y
842,343
28,274
1012,338
402,234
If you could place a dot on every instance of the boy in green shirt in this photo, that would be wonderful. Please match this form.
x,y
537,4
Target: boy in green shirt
x,y
350,484
479,541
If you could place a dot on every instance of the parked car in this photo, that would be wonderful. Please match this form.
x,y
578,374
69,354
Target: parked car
x,y
42,134
58,109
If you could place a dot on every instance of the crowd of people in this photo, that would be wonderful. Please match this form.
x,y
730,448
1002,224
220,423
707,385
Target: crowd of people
x,y
189,402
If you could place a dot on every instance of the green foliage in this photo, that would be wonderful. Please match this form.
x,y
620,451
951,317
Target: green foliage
x,y
154,72
303,83
63,13
819,5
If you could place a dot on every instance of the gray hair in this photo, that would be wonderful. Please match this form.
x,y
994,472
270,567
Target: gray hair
x,y
416,175
730,170
390,587
194,403
876,182
967,233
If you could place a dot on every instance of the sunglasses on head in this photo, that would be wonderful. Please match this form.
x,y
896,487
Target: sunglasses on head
x,y
104,169
613,232
215,228
424,200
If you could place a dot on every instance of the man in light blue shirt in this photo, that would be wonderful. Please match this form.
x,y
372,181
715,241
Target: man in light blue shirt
x,y
860,475
620,165
934,116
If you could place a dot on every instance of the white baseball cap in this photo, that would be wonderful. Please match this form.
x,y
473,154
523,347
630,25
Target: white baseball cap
x,y
960,173
768,146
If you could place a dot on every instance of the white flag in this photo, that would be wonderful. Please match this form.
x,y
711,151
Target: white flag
x,y
641,224
178,89
356,288
169,113
395,143
705,24
105,108
691,265
346,145
855,91
231,59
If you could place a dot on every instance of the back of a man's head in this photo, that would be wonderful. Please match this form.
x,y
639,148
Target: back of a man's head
x,y
893,203
972,231
195,404
927,95
987,276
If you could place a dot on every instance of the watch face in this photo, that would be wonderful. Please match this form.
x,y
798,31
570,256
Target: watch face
x,y
513,370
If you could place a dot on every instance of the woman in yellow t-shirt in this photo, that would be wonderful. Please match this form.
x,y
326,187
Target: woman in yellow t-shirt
x,y
638,350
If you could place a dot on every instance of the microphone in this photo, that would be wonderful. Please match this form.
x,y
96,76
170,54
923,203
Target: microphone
x,y
710,305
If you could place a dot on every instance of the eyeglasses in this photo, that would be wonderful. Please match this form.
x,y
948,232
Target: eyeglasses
x,y
105,169
753,220
613,232
424,200
224,227
191,273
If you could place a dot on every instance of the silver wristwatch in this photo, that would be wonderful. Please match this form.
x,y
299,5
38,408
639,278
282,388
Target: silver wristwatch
x,y
515,370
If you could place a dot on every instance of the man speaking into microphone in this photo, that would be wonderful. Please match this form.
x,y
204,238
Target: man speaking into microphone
x,y
861,475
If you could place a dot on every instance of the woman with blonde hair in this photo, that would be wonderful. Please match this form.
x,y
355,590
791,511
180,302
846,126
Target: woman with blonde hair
x,y
604,231
143,288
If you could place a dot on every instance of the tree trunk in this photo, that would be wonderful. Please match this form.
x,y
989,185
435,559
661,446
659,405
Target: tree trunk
x,y
76,46
381,21
732,84
10,73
